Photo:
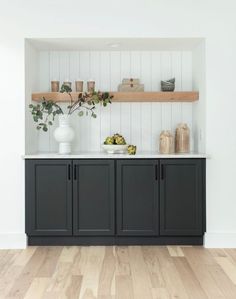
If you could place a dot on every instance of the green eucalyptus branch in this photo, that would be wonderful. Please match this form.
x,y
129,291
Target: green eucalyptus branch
x,y
86,101
44,113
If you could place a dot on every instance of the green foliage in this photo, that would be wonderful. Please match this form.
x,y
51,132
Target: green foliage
x,y
65,88
45,112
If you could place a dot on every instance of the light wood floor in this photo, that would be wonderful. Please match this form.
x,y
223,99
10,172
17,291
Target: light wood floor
x,y
118,272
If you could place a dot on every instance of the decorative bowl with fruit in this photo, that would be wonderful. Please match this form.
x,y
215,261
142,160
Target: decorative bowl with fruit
x,y
115,144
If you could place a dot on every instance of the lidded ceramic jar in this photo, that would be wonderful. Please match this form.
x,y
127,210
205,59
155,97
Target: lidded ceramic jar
x,y
182,138
166,145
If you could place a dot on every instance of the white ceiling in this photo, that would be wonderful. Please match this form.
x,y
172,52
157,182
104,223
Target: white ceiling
x,y
115,44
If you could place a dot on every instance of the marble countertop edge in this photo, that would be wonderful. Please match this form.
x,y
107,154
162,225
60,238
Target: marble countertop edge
x,y
103,155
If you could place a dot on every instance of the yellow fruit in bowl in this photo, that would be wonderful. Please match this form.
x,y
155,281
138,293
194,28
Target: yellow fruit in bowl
x,y
109,140
132,149
120,140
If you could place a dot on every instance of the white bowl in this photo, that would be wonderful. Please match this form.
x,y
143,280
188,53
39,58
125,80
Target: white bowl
x,y
115,148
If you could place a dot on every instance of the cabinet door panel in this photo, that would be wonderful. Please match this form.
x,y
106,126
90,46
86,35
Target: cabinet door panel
x,y
137,197
48,197
181,197
93,197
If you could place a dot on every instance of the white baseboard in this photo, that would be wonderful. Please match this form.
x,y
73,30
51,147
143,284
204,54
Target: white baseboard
x,y
220,240
13,241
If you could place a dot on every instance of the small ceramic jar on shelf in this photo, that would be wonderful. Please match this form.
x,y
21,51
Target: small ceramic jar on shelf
x,y
79,85
91,85
55,86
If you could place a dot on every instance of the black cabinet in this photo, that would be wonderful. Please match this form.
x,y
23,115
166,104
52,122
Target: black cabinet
x,y
137,197
93,197
181,197
48,197
115,201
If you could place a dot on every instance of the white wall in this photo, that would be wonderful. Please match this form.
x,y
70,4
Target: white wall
x,y
199,108
31,84
214,20
139,123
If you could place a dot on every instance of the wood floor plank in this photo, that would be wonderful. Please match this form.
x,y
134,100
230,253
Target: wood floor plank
x,y
160,293
74,286
37,288
27,275
223,281
175,251
231,253
3,252
89,287
200,269
173,282
139,273
80,261
228,267
153,266
189,279
122,260
107,274
24,256
124,287
8,260
50,262
8,279
215,252
68,254
60,277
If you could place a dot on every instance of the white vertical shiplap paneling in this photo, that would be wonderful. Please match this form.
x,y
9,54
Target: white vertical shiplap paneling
x,y
146,108
44,85
125,108
54,74
156,116
105,72
115,70
84,122
140,123
74,68
176,71
136,112
187,85
95,132
166,64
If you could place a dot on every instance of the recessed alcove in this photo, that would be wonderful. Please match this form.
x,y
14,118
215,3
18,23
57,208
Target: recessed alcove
x,y
108,61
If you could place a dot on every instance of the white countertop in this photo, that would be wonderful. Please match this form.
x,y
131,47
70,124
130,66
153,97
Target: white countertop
x,y
103,155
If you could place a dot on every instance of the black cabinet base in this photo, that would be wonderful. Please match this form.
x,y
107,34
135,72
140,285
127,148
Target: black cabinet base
x,y
67,241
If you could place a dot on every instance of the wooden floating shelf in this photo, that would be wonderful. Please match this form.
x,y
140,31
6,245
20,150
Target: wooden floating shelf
x,y
146,96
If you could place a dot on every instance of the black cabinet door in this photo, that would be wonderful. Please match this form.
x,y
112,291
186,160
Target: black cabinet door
x,y
137,197
93,197
181,197
48,197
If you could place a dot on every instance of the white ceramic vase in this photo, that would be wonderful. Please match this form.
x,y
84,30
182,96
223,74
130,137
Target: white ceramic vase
x,y
64,134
